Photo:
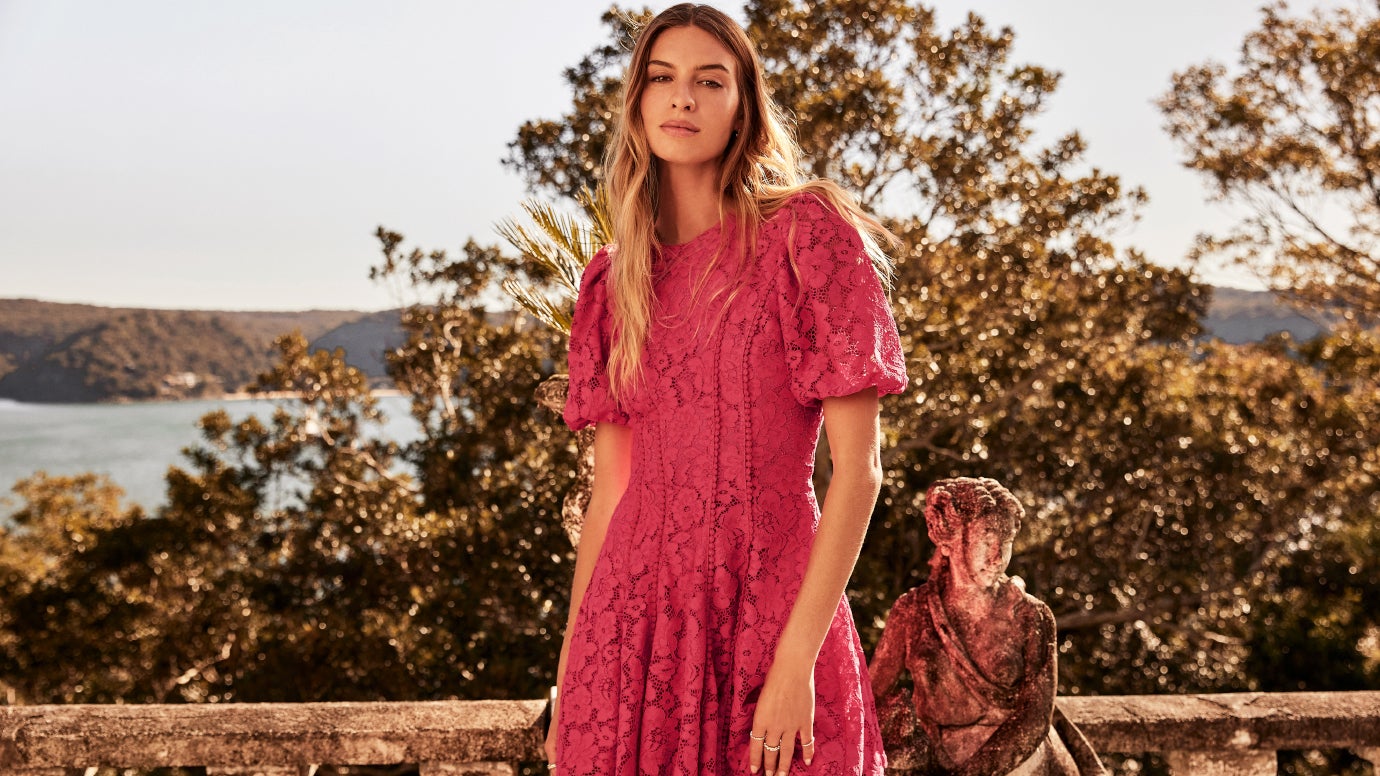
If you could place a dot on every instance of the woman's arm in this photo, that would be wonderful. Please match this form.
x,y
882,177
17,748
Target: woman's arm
x,y
786,707
612,464
854,431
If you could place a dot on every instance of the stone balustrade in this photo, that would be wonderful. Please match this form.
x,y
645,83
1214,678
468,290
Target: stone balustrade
x,y
1203,735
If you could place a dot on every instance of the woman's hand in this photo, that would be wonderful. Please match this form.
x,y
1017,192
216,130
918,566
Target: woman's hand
x,y
785,712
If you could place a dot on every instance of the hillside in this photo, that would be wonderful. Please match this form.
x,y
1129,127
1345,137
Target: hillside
x,y
365,340
51,352
1238,317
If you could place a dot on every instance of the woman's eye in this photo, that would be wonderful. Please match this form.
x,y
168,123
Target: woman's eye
x,y
659,78
714,84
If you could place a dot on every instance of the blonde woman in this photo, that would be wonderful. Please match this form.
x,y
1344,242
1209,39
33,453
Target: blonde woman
x,y
739,307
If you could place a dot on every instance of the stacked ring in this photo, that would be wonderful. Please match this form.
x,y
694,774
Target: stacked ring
x,y
762,737
804,744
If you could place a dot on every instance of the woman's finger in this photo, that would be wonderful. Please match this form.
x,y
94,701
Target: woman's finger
x,y
783,765
772,752
807,745
755,740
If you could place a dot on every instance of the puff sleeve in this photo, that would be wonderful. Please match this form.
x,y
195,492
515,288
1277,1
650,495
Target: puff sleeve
x,y
840,334
588,400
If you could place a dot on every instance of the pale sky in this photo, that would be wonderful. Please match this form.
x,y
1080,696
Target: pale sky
x,y
195,154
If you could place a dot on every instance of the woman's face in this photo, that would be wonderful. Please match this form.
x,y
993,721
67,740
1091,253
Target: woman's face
x,y
986,551
690,103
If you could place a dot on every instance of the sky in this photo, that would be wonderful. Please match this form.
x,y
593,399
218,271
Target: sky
x,y
203,155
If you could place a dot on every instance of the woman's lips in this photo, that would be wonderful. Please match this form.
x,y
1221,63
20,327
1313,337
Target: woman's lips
x,y
679,130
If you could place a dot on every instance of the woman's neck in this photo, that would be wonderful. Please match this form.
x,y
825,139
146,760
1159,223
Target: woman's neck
x,y
687,201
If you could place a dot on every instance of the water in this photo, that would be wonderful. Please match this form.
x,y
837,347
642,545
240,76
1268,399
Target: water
x,y
134,444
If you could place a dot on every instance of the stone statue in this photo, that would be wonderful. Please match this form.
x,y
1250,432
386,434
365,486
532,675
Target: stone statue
x,y
552,394
980,652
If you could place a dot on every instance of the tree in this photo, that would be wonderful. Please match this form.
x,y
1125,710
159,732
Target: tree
x,y
1293,138
297,558
55,537
259,559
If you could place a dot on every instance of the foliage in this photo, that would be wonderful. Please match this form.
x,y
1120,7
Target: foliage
x,y
559,244
61,606
297,559
1293,138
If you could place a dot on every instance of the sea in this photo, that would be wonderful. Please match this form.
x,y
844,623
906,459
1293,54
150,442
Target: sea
x,y
133,444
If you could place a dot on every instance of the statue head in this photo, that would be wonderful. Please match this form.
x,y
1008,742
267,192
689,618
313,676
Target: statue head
x,y
973,523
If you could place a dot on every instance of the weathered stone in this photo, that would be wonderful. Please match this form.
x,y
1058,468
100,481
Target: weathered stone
x,y
264,770
256,735
1265,722
1222,763
467,769
980,652
552,394
1370,754
1203,732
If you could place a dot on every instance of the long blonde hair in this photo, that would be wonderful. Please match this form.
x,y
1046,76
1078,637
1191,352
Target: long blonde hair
x,y
759,174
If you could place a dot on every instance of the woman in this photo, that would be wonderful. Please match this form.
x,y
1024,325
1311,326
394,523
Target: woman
x,y
709,632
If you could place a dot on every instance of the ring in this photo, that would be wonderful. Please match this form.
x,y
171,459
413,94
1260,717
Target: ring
x,y
550,766
804,744
771,748
762,737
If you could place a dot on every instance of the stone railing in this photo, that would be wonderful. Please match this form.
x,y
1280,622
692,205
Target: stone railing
x,y
1204,735
1229,734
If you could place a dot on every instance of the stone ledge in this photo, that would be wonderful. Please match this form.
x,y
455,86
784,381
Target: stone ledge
x,y
256,734
1227,721
454,737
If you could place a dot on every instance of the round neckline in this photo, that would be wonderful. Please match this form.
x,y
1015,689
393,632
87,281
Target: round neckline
x,y
693,240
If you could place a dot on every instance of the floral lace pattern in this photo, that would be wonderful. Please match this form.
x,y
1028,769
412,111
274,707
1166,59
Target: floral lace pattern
x,y
705,553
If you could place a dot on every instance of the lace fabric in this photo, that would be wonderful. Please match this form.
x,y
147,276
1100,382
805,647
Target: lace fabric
x,y
704,554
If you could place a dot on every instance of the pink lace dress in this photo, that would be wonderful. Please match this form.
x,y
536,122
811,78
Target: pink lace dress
x,y
705,553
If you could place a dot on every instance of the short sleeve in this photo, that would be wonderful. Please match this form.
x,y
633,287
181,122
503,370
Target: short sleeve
x,y
840,333
588,400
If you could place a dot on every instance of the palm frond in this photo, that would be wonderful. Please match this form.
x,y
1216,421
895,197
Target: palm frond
x,y
539,305
562,244
538,248
596,206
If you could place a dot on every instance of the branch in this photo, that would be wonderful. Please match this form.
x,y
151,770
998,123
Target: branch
x,y
1083,619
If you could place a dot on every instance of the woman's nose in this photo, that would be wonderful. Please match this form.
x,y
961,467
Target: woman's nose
x,y
682,99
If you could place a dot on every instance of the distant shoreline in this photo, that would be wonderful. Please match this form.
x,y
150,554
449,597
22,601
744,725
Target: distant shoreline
x,y
377,393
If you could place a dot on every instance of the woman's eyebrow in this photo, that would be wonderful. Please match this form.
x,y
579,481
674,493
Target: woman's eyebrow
x,y
701,67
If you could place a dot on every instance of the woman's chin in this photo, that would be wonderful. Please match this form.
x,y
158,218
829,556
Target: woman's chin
x,y
682,157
